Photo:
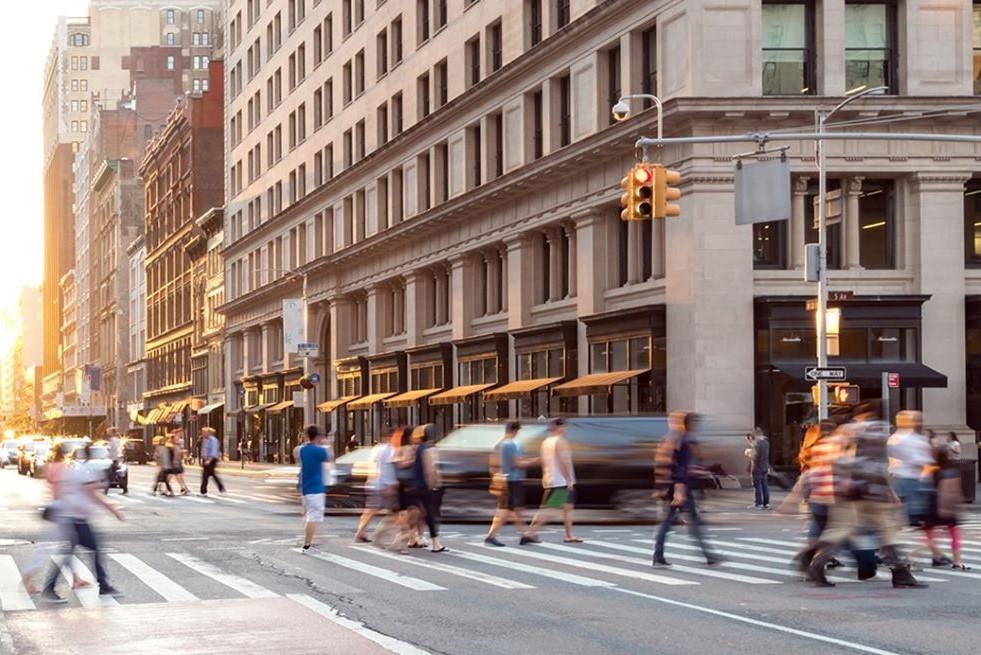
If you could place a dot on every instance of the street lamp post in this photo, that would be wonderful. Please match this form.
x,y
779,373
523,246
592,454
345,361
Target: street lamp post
x,y
821,119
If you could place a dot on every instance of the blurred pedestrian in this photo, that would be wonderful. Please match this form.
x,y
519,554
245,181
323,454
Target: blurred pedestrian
x,y
816,485
313,456
945,511
382,488
507,476
429,482
115,455
675,459
352,444
161,456
558,481
81,486
864,499
210,455
910,453
177,459
953,445
760,469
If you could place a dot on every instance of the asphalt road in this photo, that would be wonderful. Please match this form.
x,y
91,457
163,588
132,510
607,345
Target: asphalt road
x,y
223,575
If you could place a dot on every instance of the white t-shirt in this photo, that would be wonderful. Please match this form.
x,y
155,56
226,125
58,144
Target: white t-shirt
x,y
76,501
908,453
551,471
114,448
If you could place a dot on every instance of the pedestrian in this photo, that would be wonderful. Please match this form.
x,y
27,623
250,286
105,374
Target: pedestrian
x,y
115,455
558,482
352,444
313,456
760,469
177,459
428,482
210,454
382,489
953,445
507,473
864,499
161,455
816,485
675,459
910,453
946,507
241,452
81,495
392,486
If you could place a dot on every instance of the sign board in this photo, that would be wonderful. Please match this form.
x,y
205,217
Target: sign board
x,y
293,332
833,209
315,378
893,380
763,191
299,399
834,373
833,296
308,350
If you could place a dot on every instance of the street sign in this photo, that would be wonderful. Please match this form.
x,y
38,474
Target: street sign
x,y
894,380
833,296
835,373
315,378
308,349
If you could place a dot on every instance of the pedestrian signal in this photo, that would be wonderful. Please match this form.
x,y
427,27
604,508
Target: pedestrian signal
x,y
638,191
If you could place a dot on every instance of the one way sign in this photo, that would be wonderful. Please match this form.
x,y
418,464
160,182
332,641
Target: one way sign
x,y
832,373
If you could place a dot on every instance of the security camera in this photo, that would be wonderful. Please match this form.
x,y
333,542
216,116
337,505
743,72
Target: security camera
x,y
621,111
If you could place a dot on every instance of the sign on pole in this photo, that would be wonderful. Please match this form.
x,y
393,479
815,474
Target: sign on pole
x,y
762,191
831,373
833,205
894,380
308,349
293,332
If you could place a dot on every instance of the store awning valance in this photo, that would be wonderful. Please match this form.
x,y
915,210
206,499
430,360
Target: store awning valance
x,y
255,409
457,394
519,389
365,402
207,409
337,403
279,407
161,416
911,374
409,398
595,383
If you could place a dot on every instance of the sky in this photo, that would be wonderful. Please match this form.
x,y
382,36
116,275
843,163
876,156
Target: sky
x,y
25,49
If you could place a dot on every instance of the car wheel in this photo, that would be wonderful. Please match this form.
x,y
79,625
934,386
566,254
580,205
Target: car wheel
x,y
636,504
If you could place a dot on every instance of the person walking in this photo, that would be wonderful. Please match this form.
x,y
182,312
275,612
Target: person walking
x,y
508,473
177,460
313,456
760,469
381,483
80,497
910,453
115,455
559,483
210,455
816,485
945,511
674,461
161,455
428,482
953,445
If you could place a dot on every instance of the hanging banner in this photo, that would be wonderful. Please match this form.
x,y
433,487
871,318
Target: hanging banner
x,y
293,331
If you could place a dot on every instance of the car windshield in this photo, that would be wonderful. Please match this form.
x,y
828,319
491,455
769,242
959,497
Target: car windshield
x,y
359,455
483,437
96,452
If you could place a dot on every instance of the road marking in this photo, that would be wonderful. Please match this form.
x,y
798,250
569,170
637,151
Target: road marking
x,y
612,570
156,499
13,596
965,549
610,530
257,498
394,645
88,597
226,499
760,624
375,571
195,499
157,581
710,573
486,578
571,578
245,587
187,539
126,498
694,558
268,497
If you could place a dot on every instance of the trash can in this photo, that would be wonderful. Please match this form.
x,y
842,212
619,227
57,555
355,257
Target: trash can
x,y
969,478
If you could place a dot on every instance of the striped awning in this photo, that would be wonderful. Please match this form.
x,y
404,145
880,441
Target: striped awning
x,y
519,389
457,394
255,409
337,403
595,383
409,398
279,407
365,402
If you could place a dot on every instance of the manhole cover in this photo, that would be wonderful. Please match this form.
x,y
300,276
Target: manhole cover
x,y
12,542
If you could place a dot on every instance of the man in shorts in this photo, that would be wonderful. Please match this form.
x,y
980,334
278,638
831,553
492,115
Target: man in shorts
x,y
510,500
558,480
313,456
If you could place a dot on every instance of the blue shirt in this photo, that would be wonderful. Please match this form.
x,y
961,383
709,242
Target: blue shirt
x,y
209,449
510,452
312,458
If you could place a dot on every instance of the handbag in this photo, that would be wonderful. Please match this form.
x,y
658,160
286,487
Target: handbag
x,y
498,484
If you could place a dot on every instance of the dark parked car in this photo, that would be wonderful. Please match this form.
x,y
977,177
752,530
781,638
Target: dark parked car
x,y
134,450
39,458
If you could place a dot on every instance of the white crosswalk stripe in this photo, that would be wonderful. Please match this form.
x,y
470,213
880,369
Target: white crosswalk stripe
x,y
88,597
243,586
226,499
195,499
571,578
162,585
13,596
772,570
375,571
486,578
127,498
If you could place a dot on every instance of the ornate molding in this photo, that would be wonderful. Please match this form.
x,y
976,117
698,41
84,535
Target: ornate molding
x,y
800,184
854,185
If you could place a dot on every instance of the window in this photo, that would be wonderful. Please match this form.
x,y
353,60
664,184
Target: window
x,y
205,38
318,45
170,16
972,223
497,121
565,111
359,73
396,41
442,82
770,245
397,114
347,82
870,55
200,16
301,120
533,16
876,214
649,70
381,119
834,229
422,21
329,34
977,47
787,38
439,14
170,38
422,91
381,53
358,12
170,62
613,73
301,62
474,143
537,135
472,50
348,148
328,100
359,140
494,47
562,13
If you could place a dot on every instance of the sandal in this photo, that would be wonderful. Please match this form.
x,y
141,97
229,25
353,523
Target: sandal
x,y
573,540
442,549
960,567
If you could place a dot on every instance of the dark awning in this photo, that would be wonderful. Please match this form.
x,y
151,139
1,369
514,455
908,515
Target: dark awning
x,y
911,374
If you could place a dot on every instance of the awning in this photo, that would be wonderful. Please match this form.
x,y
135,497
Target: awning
x,y
279,407
255,409
207,409
595,383
911,374
365,402
518,389
409,398
160,416
457,394
337,403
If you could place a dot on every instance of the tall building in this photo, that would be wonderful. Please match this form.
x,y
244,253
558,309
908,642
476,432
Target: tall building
x,y
183,179
90,67
20,360
136,366
440,181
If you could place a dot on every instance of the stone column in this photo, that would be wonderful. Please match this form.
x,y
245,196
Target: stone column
x,y
572,255
937,207
502,292
591,245
853,230
230,439
461,296
339,330
375,320
830,32
520,287
798,222
266,346
554,237
414,306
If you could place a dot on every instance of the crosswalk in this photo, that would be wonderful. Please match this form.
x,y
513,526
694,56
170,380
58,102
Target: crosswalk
x,y
230,498
612,560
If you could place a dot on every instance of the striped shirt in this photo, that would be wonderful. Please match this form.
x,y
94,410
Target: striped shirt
x,y
820,475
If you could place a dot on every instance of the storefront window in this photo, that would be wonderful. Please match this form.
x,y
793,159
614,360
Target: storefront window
x,y
349,386
787,68
851,345
598,357
876,209
770,245
972,203
869,49
385,380
793,344
624,354
892,344
834,229
478,370
640,353
541,364
427,376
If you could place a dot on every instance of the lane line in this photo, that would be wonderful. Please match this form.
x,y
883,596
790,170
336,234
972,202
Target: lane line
x,y
88,597
562,576
375,571
394,645
245,587
710,573
13,596
486,578
157,581
603,568
695,558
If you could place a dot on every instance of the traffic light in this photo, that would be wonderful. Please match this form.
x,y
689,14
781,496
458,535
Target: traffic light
x,y
638,190
665,189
